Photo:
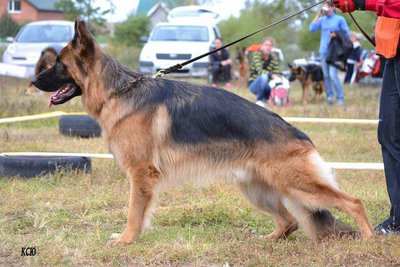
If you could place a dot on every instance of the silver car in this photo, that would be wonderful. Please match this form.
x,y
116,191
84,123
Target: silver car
x,y
25,49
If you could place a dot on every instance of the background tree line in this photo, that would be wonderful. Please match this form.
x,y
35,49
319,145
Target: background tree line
x,y
293,36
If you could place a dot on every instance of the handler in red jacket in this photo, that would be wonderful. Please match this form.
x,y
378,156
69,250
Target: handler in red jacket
x,y
387,33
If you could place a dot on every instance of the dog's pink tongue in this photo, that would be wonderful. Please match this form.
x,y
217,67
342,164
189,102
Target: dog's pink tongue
x,y
51,97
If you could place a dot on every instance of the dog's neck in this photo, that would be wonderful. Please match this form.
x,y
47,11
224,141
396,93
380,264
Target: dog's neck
x,y
111,77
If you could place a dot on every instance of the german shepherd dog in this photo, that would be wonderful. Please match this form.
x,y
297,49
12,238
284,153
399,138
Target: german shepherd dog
x,y
310,76
46,60
161,132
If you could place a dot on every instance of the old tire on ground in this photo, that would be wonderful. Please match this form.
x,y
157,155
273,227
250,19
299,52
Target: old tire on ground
x,y
28,167
79,125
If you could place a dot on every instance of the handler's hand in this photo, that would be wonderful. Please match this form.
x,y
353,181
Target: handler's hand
x,y
345,5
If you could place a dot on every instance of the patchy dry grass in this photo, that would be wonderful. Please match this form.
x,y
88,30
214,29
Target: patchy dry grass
x,y
68,218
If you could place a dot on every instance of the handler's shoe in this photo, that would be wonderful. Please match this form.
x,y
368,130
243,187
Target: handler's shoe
x,y
386,230
260,103
340,102
330,101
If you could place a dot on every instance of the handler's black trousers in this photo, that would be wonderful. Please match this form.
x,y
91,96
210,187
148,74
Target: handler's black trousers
x,y
389,136
220,73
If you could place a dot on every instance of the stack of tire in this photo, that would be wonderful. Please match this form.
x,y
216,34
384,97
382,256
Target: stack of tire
x,y
79,126
28,167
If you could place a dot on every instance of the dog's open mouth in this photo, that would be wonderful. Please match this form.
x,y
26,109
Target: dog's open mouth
x,y
65,93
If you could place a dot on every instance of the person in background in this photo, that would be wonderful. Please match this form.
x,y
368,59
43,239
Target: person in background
x,y
328,22
220,65
353,61
264,67
387,35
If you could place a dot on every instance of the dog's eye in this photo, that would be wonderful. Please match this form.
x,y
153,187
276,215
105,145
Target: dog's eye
x,y
59,66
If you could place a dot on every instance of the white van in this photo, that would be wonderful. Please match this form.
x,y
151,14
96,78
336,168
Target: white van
x,y
177,41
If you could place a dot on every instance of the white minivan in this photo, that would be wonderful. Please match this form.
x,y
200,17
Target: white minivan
x,y
177,41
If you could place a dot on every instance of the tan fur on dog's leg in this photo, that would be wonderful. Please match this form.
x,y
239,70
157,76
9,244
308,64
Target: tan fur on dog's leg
x,y
143,181
306,89
285,224
267,199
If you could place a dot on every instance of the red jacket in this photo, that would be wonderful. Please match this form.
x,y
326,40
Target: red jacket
x,y
384,8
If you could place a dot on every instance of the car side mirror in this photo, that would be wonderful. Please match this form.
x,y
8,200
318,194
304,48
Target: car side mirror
x,y
144,39
9,39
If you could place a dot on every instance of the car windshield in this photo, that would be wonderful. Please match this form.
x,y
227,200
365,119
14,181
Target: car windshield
x,y
44,34
180,33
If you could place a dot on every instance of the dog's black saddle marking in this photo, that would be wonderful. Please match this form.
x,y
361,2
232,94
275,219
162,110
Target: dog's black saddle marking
x,y
202,114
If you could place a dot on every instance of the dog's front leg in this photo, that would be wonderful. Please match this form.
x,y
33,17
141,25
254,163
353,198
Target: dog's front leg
x,y
306,88
143,181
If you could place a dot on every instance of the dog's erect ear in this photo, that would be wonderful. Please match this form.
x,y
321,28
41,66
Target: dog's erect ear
x,y
83,39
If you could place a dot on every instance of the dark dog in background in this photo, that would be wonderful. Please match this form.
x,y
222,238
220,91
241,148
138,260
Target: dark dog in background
x,y
47,60
164,132
310,77
243,66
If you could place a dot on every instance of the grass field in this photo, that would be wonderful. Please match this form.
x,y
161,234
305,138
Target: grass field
x,y
69,218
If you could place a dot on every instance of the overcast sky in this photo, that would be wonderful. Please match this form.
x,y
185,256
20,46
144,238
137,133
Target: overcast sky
x,y
123,7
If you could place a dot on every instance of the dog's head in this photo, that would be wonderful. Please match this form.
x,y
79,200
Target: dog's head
x,y
67,77
296,72
47,60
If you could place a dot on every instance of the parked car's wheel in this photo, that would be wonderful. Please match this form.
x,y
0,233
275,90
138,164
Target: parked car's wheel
x,y
79,125
28,167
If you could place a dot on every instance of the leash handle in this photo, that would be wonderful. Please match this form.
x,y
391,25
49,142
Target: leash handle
x,y
346,4
179,66
363,32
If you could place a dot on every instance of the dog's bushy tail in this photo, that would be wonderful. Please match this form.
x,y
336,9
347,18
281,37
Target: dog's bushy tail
x,y
326,225
315,218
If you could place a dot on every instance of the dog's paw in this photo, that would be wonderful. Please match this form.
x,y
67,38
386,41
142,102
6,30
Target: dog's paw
x,y
119,239
114,243
115,236
274,235
118,242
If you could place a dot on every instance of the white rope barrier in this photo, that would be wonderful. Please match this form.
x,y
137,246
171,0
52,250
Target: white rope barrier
x,y
356,166
335,165
327,120
288,119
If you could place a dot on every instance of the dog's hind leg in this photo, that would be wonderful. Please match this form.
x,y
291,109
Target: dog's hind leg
x,y
311,187
306,89
319,224
144,179
267,199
